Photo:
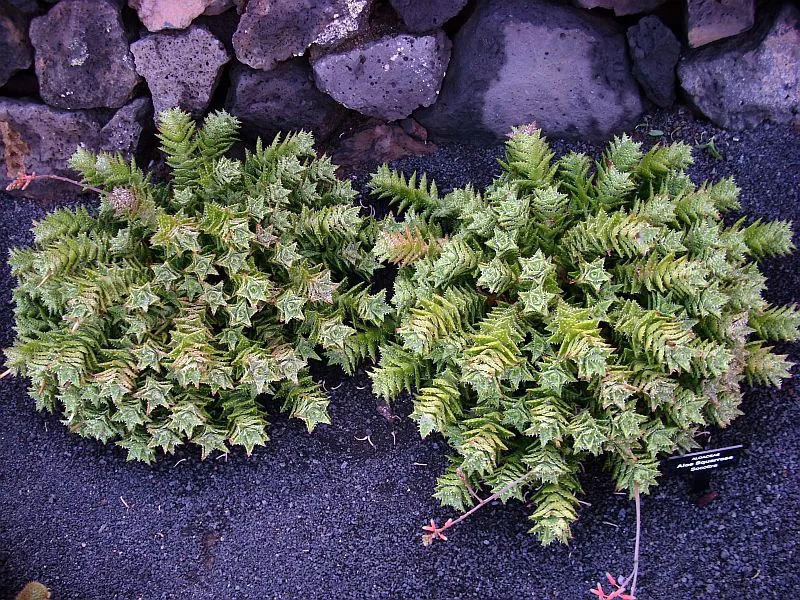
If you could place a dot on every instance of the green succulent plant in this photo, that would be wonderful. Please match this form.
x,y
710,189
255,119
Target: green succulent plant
x,y
170,315
574,310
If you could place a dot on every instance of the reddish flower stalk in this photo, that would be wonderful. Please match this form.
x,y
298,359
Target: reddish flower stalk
x,y
618,593
437,533
464,479
635,574
23,180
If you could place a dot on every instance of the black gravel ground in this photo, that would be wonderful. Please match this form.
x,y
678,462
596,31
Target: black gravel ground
x,y
334,516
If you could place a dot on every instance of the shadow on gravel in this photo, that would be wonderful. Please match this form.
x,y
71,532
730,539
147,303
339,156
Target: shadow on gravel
x,y
338,514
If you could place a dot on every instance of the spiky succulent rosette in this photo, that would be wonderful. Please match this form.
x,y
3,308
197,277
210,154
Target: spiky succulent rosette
x,y
575,309
170,315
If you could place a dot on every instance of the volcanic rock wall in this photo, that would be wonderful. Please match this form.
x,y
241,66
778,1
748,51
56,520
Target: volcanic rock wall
x,y
91,71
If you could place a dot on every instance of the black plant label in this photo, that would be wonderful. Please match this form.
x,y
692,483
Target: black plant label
x,y
705,461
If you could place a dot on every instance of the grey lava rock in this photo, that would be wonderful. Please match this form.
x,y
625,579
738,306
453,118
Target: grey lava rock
x,y
711,20
16,53
82,56
517,61
169,14
386,78
622,7
182,69
426,16
128,128
742,82
655,51
38,138
283,98
273,30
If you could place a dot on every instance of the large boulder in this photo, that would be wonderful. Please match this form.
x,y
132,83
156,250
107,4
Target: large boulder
x,y
169,14
426,16
181,69
271,31
36,138
711,20
622,7
386,78
16,53
284,98
742,82
655,51
82,56
518,61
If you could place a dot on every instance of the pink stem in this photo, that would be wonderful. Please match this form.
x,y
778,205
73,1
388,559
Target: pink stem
x,y
485,501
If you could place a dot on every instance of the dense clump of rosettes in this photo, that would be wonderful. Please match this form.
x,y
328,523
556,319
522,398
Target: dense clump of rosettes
x,y
573,310
168,316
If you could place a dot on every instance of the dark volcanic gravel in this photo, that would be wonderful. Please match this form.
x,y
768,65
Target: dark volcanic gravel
x,y
330,516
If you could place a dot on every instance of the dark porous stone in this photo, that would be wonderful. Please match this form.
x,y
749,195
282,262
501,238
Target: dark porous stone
x,y
273,30
38,138
283,98
181,69
518,61
622,7
82,56
128,128
711,20
16,53
425,16
742,82
386,78
655,51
